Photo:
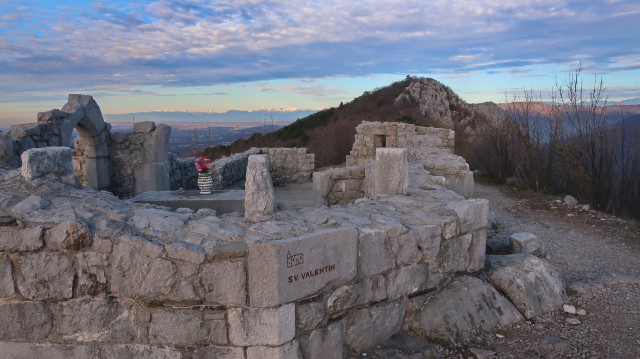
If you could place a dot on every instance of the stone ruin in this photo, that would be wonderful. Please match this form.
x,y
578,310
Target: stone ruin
x,y
85,274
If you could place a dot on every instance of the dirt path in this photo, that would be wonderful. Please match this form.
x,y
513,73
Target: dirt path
x,y
598,257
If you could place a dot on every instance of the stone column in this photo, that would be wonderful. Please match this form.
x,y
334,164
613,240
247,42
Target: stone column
x,y
259,197
391,171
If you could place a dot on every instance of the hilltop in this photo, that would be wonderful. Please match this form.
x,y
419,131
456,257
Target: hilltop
x,y
421,101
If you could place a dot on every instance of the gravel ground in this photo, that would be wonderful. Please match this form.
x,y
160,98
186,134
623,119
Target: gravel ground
x,y
598,256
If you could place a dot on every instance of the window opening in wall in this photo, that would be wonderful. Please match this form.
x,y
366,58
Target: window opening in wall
x,y
380,141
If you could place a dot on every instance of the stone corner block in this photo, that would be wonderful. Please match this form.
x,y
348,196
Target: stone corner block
x,y
262,326
286,270
472,214
374,253
524,242
391,171
45,275
259,196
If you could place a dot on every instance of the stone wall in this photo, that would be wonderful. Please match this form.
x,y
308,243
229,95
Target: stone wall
x,y
230,169
290,165
84,274
182,173
339,185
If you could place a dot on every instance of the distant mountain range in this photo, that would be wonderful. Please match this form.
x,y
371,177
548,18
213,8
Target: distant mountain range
x,y
236,118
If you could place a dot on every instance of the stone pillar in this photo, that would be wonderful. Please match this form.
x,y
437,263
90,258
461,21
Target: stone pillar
x,y
391,171
259,197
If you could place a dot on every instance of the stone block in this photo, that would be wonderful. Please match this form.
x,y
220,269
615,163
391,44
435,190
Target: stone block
x,y
472,214
309,315
17,350
7,288
224,282
137,271
37,162
374,254
6,147
135,351
477,250
68,236
524,242
177,327
391,171
367,291
144,126
97,320
461,183
325,343
455,253
259,199
289,350
24,321
45,276
185,252
91,273
370,326
219,353
261,326
157,148
20,240
405,248
286,270
152,177
157,220
30,204
406,280
218,333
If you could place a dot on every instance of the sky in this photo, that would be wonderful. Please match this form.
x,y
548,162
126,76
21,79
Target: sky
x,y
193,55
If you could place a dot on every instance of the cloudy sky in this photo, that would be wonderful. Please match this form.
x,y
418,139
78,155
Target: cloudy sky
x,y
307,54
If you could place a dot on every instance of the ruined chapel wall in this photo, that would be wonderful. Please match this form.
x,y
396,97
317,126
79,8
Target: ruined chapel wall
x,y
182,173
339,185
290,165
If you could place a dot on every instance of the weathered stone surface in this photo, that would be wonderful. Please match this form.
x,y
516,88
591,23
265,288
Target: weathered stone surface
x,y
7,288
464,307
135,351
37,162
472,214
177,327
6,147
97,320
391,171
24,320
532,284
144,126
186,252
91,275
259,198
17,350
289,269
406,280
289,350
31,203
20,240
137,270
405,248
261,326
68,236
524,242
374,254
309,315
157,220
226,251
219,353
45,275
370,326
367,291
571,201
325,343
456,253
216,228
477,250
224,282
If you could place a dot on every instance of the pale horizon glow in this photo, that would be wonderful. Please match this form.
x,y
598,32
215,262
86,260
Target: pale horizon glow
x,y
200,56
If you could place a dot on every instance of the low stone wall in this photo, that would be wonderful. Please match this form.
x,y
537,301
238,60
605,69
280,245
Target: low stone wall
x,y
182,173
290,165
230,169
139,159
339,185
87,275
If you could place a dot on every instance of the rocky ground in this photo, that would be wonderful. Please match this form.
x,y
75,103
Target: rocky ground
x,y
598,256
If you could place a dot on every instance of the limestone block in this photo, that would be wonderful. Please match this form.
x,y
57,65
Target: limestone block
x,y
216,228
45,276
135,351
367,291
17,350
524,242
374,254
322,183
144,126
429,240
391,171
24,321
472,214
309,315
137,271
261,326
406,280
68,236
405,248
7,288
152,176
91,273
390,225
477,250
185,252
157,220
224,282
218,353
157,148
325,343
370,326
455,253
14,240
462,309
31,203
461,183
532,284
38,162
97,320
290,350
289,269
6,147
259,199
218,333
177,327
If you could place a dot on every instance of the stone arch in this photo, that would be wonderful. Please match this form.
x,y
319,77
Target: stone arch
x,y
91,156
